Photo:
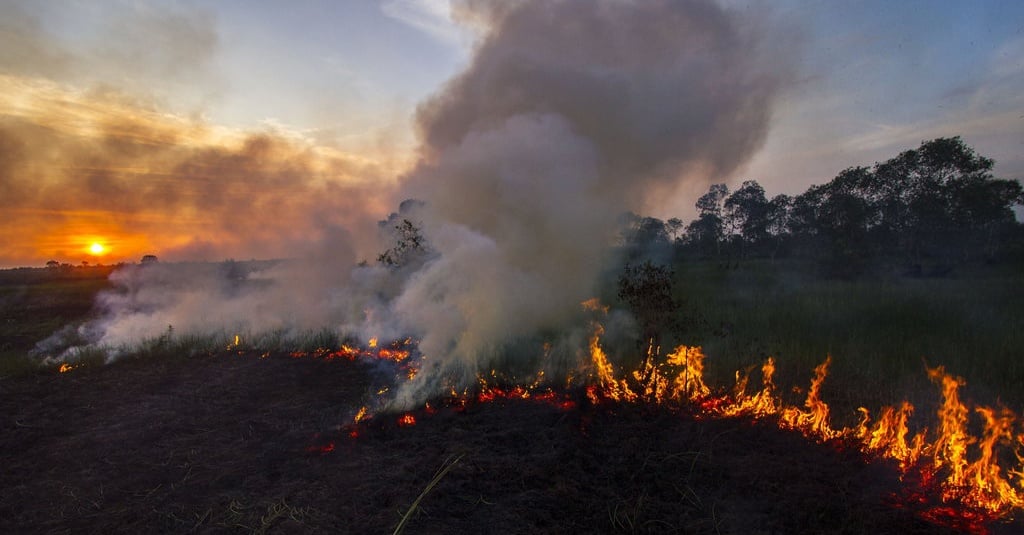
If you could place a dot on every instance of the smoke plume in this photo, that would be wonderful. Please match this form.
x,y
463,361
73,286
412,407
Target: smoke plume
x,y
570,113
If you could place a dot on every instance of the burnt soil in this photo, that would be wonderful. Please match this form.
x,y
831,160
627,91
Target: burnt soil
x,y
238,443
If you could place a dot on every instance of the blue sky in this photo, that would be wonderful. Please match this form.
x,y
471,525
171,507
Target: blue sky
x,y
879,77
876,77
873,78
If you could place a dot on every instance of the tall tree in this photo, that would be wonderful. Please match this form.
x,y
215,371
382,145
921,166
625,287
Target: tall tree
x,y
707,232
778,222
746,215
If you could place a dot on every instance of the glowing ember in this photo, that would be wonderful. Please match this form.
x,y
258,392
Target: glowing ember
x,y
234,344
406,420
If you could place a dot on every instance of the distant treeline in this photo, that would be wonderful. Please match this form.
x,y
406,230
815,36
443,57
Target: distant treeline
x,y
66,272
924,213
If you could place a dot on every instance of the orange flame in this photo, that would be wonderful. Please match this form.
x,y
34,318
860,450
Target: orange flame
x,y
888,436
813,421
965,469
613,388
972,477
762,404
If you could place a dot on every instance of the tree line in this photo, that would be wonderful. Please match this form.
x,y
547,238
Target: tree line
x,y
923,212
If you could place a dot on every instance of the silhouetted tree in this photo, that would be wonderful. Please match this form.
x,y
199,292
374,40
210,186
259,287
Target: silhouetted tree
x,y
645,238
674,228
777,222
746,216
707,232
409,245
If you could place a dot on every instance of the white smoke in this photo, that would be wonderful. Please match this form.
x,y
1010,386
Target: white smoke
x,y
571,112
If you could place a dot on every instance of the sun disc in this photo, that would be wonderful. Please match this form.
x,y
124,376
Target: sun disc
x,y
97,248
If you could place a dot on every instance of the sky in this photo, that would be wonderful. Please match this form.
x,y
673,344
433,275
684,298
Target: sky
x,y
206,130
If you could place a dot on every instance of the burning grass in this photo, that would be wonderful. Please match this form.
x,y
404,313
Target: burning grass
x,y
259,432
952,475
248,441
879,331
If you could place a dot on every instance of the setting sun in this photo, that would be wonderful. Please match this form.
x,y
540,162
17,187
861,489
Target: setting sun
x,y
97,248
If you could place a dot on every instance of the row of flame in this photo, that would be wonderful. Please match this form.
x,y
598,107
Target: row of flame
x,y
965,467
976,480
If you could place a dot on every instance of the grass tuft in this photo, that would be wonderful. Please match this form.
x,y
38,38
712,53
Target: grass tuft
x,y
448,464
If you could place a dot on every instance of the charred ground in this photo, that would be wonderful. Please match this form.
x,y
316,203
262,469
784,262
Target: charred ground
x,y
235,442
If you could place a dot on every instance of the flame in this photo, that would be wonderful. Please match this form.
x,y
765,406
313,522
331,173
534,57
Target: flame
x,y
65,367
980,483
888,436
762,404
612,387
970,476
950,449
814,420
594,305
968,472
689,382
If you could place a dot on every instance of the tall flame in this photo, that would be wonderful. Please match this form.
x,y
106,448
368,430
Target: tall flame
x,y
970,476
963,468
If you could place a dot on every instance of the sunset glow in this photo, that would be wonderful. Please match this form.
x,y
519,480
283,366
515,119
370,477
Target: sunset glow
x,y
94,132
97,249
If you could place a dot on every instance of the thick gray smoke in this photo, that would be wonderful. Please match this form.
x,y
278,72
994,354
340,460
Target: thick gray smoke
x,y
571,112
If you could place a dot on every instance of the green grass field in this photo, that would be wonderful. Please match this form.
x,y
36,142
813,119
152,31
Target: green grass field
x,y
880,334
35,303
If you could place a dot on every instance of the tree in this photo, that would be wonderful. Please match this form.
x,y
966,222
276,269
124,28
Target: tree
x,y
711,203
920,190
707,231
938,203
644,238
409,245
777,220
674,227
746,215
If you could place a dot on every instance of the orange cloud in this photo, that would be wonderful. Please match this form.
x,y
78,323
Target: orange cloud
x,y
83,166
